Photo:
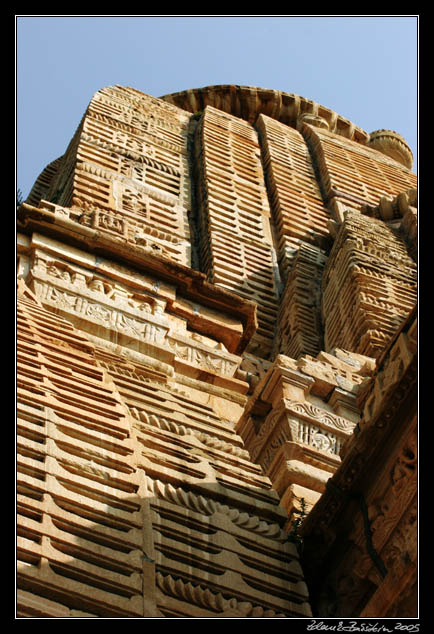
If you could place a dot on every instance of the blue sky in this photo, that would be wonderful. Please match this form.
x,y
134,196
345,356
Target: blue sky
x,y
363,67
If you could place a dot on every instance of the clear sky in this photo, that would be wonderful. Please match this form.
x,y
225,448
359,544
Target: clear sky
x,y
363,67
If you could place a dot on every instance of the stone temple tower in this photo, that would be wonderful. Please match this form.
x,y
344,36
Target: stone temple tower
x,y
216,361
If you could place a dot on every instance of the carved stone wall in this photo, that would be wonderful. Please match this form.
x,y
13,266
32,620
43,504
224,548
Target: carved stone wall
x,y
352,174
126,171
369,285
136,497
298,207
299,418
366,522
213,295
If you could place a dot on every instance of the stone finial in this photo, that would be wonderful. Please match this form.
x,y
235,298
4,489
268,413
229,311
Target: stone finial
x,y
393,145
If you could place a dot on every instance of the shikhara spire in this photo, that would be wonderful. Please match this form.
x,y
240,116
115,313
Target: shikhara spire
x,y
217,319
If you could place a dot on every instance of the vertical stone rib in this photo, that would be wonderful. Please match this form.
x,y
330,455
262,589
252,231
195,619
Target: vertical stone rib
x,y
300,222
296,200
299,326
237,249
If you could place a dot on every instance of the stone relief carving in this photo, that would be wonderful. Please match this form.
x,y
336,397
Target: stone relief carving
x,y
393,504
101,314
303,423
214,361
322,416
399,360
405,466
318,438
209,506
112,305
401,549
184,430
212,601
110,222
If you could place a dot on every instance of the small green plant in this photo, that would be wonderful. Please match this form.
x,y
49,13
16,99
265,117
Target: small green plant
x,y
294,534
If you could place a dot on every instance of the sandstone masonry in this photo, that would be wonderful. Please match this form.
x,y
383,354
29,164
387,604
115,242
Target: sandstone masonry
x,y
216,364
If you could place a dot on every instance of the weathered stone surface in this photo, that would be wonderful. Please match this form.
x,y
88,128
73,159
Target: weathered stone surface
x,y
237,247
369,286
352,174
216,352
293,424
247,102
374,569
296,200
122,479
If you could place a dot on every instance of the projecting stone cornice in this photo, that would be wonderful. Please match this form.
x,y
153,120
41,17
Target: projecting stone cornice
x,y
193,288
